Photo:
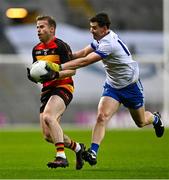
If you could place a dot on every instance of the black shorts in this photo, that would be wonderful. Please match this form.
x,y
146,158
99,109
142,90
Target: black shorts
x,y
47,92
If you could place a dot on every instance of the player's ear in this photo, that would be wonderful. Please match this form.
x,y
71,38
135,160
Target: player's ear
x,y
52,30
104,28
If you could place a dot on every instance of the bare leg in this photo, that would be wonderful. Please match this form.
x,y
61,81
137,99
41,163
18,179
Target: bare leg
x,y
141,117
51,116
48,126
47,135
106,109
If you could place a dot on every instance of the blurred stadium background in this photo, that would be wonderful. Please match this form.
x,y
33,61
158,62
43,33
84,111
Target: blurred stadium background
x,y
138,22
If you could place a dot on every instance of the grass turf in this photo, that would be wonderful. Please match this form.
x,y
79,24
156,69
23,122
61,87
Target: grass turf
x,y
129,154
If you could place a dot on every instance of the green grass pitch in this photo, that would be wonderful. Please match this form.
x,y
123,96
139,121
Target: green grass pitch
x,y
124,154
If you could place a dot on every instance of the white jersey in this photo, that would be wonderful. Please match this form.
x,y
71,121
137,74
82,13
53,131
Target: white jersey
x,y
121,69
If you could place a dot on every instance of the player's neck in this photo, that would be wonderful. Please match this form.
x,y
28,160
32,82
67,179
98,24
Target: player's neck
x,y
104,34
49,40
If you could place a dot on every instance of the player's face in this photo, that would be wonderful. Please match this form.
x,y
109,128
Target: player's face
x,y
45,32
97,31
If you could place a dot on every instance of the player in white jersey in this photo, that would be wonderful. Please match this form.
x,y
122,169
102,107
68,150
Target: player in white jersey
x,y
121,69
122,85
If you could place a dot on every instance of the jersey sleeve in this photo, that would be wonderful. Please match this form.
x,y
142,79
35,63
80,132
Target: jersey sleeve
x,y
104,49
33,55
93,45
65,52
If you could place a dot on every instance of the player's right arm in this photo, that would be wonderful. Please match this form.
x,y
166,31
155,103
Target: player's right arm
x,y
81,58
28,69
83,52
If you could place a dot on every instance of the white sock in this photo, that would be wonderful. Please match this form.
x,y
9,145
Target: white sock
x,y
78,147
61,154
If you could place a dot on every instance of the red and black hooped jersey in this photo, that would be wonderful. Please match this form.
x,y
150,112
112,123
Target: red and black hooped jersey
x,y
56,51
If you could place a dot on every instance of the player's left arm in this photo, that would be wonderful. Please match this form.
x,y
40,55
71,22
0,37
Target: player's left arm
x,y
82,62
55,71
66,73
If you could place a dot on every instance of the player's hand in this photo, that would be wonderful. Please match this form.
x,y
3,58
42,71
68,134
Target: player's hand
x,y
51,75
53,66
29,76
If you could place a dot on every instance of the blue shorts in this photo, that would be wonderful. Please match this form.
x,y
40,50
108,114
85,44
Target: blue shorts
x,y
130,96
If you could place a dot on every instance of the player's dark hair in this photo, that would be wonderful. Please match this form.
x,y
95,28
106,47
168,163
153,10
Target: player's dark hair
x,y
102,19
50,20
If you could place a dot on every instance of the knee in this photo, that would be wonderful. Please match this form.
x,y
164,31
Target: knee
x,y
102,118
47,118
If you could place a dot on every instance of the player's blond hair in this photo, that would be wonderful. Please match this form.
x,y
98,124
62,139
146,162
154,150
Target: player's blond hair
x,y
49,19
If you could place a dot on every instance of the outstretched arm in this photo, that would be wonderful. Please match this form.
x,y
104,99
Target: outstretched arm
x,y
82,62
66,73
83,52
82,58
